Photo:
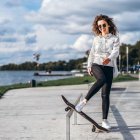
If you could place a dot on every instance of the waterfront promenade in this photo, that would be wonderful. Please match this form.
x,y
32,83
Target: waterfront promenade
x,y
38,113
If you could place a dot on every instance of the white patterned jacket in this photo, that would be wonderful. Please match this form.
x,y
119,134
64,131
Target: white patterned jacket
x,y
104,47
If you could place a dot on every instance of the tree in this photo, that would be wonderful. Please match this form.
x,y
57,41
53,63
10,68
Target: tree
x,y
37,57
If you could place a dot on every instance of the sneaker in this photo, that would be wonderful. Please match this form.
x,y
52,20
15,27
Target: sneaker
x,y
80,106
106,124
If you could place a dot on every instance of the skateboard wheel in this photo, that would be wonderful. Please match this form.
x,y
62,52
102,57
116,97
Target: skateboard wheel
x,y
93,128
67,109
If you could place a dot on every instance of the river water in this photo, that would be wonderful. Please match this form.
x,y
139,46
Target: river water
x,y
12,77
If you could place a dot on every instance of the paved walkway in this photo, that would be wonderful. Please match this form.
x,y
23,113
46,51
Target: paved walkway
x,y
38,113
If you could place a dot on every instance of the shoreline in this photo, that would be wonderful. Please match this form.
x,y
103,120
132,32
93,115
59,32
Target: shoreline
x,y
61,82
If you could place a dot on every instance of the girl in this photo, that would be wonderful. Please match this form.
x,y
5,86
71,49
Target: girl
x,y
103,54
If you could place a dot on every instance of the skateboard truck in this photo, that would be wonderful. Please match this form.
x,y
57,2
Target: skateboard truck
x,y
67,108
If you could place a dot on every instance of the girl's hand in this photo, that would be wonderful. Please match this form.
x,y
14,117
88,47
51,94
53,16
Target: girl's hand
x,y
90,71
106,61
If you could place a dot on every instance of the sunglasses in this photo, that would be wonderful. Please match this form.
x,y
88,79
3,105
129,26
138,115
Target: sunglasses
x,y
102,26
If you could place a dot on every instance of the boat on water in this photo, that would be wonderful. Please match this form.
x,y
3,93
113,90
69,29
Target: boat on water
x,y
52,74
75,71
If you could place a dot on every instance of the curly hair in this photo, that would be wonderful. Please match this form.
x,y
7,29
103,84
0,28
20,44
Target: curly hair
x,y
112,29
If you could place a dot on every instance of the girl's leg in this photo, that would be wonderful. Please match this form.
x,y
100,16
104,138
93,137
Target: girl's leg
x,y
100,80
100,77
106,91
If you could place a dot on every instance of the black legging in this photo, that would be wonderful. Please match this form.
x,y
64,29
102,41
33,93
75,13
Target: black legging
x,y
104,76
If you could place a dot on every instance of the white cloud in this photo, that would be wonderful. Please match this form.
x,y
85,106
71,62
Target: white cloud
x,y
49,38
61,29
130,37
128,21
14,44
83,43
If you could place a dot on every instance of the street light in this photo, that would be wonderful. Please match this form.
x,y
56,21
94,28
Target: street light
x,y
127,51
120,63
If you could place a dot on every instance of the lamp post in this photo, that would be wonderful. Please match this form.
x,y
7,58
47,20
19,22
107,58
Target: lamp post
x,y
127,51
120,63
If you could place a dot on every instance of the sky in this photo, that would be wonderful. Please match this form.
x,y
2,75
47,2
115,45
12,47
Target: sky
x,y
60,29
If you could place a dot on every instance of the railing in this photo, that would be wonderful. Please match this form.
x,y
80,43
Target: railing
x,y
68,116
139,74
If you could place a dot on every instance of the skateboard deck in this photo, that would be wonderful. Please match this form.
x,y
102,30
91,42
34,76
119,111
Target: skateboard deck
x,y
96,127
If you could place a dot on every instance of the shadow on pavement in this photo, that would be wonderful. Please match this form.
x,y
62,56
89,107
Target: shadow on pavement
x,y
122,126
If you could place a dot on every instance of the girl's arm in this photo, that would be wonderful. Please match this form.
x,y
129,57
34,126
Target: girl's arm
x,y
115,51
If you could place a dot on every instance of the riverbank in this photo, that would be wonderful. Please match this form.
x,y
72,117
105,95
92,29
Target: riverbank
x,y
14,77
67,81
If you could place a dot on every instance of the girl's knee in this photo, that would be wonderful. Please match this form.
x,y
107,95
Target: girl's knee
x,y
102,81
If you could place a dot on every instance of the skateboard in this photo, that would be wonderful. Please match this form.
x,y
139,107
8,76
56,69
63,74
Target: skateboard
x,y
96,127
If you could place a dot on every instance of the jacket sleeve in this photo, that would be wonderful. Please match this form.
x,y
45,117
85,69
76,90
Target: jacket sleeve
x,y
115,51
91,55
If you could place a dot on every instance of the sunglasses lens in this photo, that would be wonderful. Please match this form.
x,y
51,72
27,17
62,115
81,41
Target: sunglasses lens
x,y
102,26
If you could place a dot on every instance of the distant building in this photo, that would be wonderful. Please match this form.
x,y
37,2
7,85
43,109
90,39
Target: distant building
x,y
84,67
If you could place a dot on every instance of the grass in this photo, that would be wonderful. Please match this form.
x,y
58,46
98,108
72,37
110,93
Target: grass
x,y
122,78
82,80
4,89
68,81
